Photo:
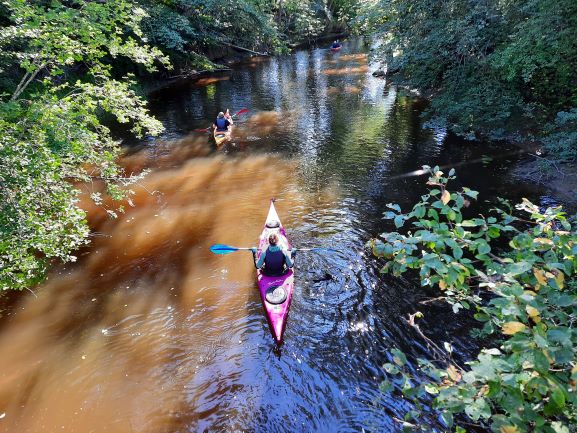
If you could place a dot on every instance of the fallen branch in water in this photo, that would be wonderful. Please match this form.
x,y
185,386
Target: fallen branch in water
x,y
430,343
193,73
431,300
244,49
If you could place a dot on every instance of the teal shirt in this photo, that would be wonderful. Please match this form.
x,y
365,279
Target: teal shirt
x,y
273,248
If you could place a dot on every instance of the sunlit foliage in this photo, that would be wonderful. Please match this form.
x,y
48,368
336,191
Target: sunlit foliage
x,y
190,29
516,269
498,69
56,82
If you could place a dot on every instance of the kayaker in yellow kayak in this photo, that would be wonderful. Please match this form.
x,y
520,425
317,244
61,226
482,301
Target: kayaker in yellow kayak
x,y
223,121
275,260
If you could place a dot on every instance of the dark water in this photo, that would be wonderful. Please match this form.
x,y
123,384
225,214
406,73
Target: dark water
x,y
149,332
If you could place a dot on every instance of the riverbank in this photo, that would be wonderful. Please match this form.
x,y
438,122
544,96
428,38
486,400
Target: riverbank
x,y
560,179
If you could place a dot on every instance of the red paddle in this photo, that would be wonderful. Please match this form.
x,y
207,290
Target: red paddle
x,y
238,113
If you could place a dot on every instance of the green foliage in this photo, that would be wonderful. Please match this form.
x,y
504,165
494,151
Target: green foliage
x,y
51,137
493,68
188,28
561,139
529,382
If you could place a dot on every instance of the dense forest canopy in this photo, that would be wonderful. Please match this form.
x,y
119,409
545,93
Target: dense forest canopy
x,y
494,69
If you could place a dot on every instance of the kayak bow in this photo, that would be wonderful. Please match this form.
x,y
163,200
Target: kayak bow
x,y
275,292
222,136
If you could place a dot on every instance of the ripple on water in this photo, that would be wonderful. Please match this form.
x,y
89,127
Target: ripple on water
x,y
150,332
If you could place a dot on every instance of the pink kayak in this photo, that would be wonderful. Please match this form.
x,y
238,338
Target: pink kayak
x,y
275,292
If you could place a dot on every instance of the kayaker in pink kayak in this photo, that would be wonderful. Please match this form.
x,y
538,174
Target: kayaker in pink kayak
x,y
275,260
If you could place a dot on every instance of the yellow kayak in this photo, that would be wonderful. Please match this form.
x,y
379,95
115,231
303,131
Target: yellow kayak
x,y
222,136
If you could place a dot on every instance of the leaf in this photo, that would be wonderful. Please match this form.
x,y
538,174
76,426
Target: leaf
x,y
508,429
470,193
544,241
399,357
560,279
483,247
390,368
541,362
559,427
478,409
453,373
511,328
533,313
386,386
518,268
457,252
446,196
447,418
540,276
399,221
558,397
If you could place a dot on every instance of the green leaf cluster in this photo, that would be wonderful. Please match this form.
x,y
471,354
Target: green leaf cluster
x,y
529,381
493,69
188,30
52,139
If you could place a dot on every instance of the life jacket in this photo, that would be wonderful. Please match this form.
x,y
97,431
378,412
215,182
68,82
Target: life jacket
x,y
274,262
221,124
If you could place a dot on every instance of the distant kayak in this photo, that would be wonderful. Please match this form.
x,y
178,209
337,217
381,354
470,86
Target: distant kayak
x,y
335,49
275,292
221,136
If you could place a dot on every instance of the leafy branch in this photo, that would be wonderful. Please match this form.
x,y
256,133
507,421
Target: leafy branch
x,y
529,381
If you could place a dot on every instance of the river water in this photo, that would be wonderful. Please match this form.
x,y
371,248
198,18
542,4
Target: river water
x,y
150,332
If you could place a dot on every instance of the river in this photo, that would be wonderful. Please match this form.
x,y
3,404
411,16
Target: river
x,y
149,332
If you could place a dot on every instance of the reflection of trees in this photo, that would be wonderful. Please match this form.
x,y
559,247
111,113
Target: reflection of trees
x,y
366,135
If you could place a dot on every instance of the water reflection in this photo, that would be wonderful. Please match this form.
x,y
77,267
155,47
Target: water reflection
x,y
149,332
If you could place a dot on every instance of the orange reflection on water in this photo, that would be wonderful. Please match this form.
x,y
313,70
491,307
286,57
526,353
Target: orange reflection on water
x,y
346,71
361,57
211,80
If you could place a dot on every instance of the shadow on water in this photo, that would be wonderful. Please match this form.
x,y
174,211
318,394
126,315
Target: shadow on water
x,y
149,332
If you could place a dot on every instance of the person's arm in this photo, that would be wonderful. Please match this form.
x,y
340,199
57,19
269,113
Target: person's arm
x,y
288,259
260,261
228,117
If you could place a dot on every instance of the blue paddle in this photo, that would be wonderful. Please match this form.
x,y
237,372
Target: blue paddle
x,y
227,249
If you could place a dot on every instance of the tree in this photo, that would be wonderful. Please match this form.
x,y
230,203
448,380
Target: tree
x,y
56,82
493,69
518,274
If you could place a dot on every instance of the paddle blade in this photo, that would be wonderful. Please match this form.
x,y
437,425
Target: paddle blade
x,y
330,250
202,130
241,111
222,249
